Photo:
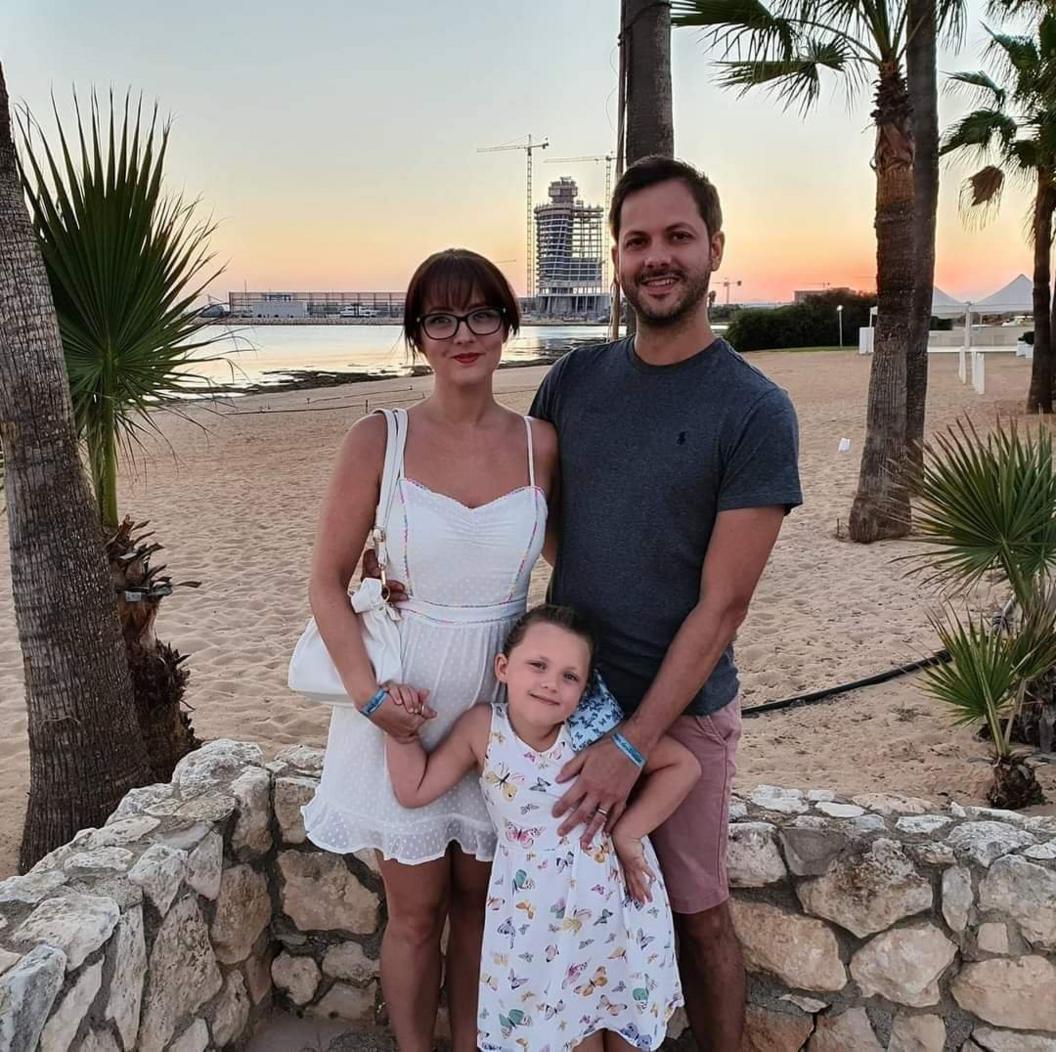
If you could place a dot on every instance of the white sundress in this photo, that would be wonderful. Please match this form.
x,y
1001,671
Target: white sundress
x,y
567,952
466,571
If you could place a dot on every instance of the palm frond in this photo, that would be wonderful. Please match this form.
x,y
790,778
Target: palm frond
x,y
983,85
747,28
980,132
795,80
126,264
986,505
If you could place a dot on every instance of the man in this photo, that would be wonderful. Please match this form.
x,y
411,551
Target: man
x,y
678,465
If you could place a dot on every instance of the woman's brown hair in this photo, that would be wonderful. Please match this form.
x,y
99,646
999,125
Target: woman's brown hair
x,y
452,277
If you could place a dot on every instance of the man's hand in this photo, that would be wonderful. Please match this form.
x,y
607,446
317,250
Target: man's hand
x,y
599,796
397,592
403,712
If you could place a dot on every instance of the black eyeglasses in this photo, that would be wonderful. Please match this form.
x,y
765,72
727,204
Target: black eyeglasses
x,y
481,322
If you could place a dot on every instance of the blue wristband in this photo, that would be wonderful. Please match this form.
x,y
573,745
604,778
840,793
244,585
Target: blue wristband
x,y
375,702
628,750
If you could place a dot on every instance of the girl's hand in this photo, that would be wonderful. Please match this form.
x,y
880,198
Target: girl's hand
x,y
410,698
636,872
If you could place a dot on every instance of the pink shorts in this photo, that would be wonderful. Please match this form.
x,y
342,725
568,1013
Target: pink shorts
x,y
691,844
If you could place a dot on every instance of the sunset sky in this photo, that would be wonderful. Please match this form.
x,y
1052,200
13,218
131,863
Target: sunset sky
x,y
336,142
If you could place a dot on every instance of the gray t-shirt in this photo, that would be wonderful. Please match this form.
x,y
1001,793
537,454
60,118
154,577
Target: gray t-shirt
x,y
649,456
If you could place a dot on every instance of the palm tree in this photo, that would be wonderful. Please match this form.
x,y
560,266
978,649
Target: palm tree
x,y
987,512
85,748
1013,134
125,264
786,47
645,33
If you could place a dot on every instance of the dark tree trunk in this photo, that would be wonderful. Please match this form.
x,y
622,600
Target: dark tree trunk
x,y
922,82
881,505
645,40
1039,397
85,749
646,35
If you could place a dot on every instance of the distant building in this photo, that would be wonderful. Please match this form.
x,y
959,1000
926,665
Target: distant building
x,y
316,304
802,295
570,255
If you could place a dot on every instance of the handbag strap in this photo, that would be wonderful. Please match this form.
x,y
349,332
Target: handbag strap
x,y
396,437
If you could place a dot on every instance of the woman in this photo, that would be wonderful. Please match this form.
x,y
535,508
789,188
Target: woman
x,y
466,527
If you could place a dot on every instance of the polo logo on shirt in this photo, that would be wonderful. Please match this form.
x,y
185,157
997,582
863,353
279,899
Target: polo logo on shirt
x,y
681,438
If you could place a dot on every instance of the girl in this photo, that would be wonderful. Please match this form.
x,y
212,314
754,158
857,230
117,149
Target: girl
x,y
575,956
465,529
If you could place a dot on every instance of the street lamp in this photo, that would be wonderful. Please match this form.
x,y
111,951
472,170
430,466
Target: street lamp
x,y
839,318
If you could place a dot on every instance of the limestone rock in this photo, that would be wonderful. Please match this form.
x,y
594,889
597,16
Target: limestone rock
x,y
160,872
320,893
769,1031
783,801
101,860
917,1033
850,1031
348,961
810,852
933,853
215,766
32,888
892,804
74,923
869,892
185,835
99,1041
800,951
1025,892
209,807
152,800
738,809
354,1003
1043,852
243,911
957,897
118,832
1010,1041
753,859
252,835
194,1039
838,810
992,938
65,1021
291,794
232,1010
983,842
7,959
205,866
297,976
258,969
821,796
126,987
904,965
182,976
27,992
1018,993
302,759
810,1005
925,825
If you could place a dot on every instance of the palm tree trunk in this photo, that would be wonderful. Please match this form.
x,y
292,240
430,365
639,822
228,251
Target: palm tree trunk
x,y
923,95
645,44
881,505
1039,398
85,747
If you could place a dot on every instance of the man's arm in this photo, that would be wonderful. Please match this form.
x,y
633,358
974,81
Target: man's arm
x,y
740,545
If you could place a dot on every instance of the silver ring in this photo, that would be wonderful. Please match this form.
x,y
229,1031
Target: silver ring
x,y
602,811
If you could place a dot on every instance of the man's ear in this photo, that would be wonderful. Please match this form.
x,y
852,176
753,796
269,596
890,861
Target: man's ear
x,y
718,246
502,663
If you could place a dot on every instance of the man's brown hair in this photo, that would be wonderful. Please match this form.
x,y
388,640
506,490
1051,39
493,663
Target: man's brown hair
x,y
649,171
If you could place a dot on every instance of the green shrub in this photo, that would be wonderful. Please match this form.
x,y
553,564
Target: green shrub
x,y
812,323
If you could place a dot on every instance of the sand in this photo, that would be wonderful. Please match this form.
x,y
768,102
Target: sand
x,y
234,500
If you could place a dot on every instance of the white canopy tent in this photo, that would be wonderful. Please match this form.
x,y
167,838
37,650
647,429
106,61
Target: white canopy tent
x,y
1017,297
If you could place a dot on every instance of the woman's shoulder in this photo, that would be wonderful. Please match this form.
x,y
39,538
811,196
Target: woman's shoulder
x,y
544,437
367,437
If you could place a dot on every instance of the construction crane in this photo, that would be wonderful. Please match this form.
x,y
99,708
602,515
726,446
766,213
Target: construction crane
x,y
597,158
608,158
528,147
726,283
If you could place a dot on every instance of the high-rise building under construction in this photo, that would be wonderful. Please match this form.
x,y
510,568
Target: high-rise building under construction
x,y
570,255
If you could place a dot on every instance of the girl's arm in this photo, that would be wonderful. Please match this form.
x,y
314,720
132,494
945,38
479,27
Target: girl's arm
x,y
670,773
418,777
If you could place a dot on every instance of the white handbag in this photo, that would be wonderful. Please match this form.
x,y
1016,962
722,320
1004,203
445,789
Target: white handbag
x,y
312,671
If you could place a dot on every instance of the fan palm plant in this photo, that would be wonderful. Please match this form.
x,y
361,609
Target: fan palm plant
x,y
126,264
1012,134
786,47
986,510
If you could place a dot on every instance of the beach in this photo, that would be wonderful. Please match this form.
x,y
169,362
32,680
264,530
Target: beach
x,y
233,489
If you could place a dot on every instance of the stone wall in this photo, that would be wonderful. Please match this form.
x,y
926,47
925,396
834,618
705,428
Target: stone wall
x,y
880,922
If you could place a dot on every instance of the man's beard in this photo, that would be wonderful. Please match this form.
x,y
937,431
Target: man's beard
x,y
695,289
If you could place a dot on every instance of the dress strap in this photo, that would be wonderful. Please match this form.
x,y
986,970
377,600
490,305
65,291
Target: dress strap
x,y
531,453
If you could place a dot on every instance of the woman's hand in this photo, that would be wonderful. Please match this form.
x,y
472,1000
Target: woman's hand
x,y
397,593
637,873
403,712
